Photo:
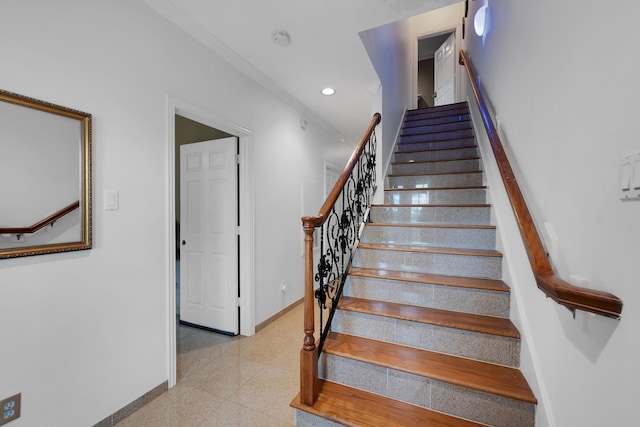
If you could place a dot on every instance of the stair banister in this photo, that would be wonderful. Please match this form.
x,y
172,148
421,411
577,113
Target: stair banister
x,y
309,353
571,296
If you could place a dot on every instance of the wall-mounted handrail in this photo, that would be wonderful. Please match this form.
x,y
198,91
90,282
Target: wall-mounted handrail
x,y
339,221
42,223
571,296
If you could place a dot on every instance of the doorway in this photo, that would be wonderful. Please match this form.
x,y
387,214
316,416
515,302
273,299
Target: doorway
x,y
207,211
177,107
427,48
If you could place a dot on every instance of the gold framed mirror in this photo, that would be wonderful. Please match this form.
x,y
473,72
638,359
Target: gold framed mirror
x,y
45,177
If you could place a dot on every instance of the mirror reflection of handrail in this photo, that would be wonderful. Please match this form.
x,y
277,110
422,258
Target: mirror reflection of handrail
x,y
42,223
571,296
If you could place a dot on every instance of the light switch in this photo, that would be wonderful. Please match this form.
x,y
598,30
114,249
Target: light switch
x,y
110,200
625,177
635,182
630,177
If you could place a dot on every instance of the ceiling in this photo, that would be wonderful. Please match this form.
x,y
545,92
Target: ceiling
x,y
325,48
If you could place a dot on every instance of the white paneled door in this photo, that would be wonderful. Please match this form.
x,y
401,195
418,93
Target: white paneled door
x,y
444,72
208,237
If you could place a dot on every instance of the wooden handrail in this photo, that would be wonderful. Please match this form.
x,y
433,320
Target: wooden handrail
x,y
309,385
42,223
571,296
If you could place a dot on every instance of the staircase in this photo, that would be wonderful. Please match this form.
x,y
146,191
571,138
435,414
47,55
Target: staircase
x,y
422,335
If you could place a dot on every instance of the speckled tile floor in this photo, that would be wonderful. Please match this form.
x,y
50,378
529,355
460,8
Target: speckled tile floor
x,y
231,381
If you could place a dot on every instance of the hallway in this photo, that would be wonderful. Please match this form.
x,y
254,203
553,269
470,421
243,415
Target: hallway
x,y
231,381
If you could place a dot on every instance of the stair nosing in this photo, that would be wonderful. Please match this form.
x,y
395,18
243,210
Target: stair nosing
x,y
434,365
393,412
468,123
489,253
431,278
411,116
432,161
464,147
435,132
469,120
459,187
432,205
431,316
421,111
443,120
430,225
449,107
402,175
434,140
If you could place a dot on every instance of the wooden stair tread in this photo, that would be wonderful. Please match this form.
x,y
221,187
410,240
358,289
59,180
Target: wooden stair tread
x,y
434,161
432,249
455,106
468,120
487,377
403,175
354,407
467,187
430,225
442,138
430,278
414,115
435,121
433,316
433,205
464,147
435,149
451,120
426,115
461,104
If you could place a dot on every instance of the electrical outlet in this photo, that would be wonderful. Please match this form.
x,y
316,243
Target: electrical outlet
x,y
10,409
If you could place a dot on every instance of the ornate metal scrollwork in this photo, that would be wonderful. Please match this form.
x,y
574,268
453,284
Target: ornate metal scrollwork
x,y
339,233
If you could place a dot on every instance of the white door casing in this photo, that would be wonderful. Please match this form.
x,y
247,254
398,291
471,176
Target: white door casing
x,y
444,72
208,239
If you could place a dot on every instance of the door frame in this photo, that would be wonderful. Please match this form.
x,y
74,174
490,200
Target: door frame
x,y
179,106
457,30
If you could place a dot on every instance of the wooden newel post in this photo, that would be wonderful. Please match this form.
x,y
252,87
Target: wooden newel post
x,y
309,352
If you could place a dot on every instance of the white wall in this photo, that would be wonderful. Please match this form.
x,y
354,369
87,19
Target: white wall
x,y
389,48
90,328
539,64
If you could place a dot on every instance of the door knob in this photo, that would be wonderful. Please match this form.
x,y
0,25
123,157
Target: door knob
x,y
184,242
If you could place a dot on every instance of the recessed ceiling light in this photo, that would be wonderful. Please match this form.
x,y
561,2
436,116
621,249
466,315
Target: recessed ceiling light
x,y
328,91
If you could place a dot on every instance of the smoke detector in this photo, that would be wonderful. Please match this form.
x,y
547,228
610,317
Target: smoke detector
x,y
281,37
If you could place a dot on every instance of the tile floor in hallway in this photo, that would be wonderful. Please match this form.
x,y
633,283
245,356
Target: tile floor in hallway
x,y
231,381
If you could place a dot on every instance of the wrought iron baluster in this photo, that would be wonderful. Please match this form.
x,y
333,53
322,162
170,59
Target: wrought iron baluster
x,y
339,223
340,233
